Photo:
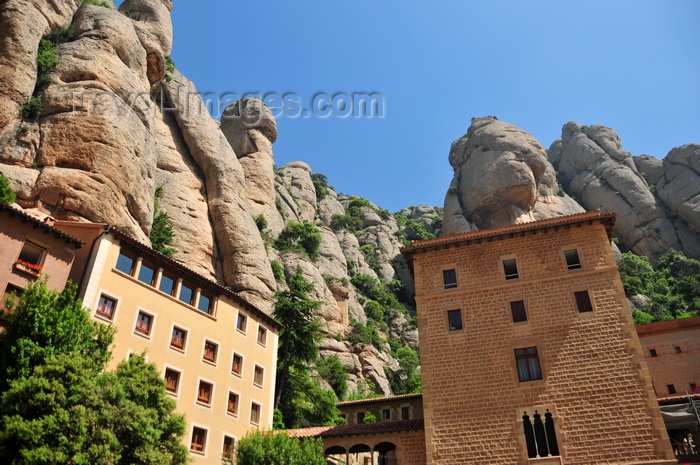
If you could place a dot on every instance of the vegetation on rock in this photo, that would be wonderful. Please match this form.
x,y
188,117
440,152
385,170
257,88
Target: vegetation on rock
x,y
304,237
7,195
101,3
163,229
320,185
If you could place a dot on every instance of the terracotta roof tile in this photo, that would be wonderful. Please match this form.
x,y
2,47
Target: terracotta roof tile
x,y
378,400
381,427
42,224
670,326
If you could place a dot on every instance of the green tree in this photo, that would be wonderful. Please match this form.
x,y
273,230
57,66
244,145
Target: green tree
x,y
320,185
637,274
299,334
163,228
44,323
7,195
276,448
335,374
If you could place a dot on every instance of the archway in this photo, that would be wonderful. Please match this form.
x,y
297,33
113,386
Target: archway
x,y
361,454
336,454
386,453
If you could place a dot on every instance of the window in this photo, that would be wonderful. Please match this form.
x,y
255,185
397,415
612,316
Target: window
x,y
386,414
671,388
258,376
583,301
147,274
125,263
449,279
32,256
241,322
178,339
255,413
11,292
262,335
454,318
572,260
237,364
652,352
677,349
528,364
360,418
232,406
167,284
144,323
186,294
517,310
540,436
406,413
172,380
106,307
204,392
227,452
199,439
204,303
510,267
210,351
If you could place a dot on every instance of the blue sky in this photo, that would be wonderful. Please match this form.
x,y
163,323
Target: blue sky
x,y
633,66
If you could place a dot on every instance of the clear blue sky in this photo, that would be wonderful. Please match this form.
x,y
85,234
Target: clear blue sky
x,y
630,65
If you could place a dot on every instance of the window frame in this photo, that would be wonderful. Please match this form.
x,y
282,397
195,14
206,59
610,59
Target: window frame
x,y
178,378
184,285
208,388
43,253
262,335
215,357
653,353
257,412
671,389
147,266
386,417
241,322
228,450
449,273
504,268
7,293
572,258
527,357
513,310
236,403
131,256
258,373
405,412
677,350
204,433
184,338
210,308
102,315
140,332
586,306
170,278
360,417
449,315
238,356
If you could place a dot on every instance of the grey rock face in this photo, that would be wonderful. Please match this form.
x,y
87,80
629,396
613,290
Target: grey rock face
x,y
501,177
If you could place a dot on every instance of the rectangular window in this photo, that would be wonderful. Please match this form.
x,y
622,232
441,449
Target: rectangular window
x,y
147,274
241,322
210,351
671,388
652,352
572,260
360,418
186,294
32,256
449,279
172,380
12,293
405,413
510,268
227,452
258,376
199,439
125,263
454,318
583,302
262,335
517,310
677,349
144,322
106,307
237,364
255,413
204,392
178,339
386,414
232,406
204,303
167,284
528,364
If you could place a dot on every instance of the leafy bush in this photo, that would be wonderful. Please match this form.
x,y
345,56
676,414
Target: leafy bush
x,y
169,68
277,270
363,334
7,195
97,3
347,222
32,109
320,185
335,374
304,237
260,222
277,448
369,418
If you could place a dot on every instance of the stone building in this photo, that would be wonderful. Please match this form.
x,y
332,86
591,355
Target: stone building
x,y
216,351
528,349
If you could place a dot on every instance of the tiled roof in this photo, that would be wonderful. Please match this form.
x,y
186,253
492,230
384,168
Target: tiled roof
x,y
608,220
173,265
670,326
17,211
381,427
678,399
378,400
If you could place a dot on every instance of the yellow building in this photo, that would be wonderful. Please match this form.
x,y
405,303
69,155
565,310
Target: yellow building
x,y
216,351
529,354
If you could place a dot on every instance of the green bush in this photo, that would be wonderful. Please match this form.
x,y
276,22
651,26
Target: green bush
x,y
169,68
163,229
32,109
347,222
364,334
277,448
97,3
335,374
304,237
260,222
369,418
277,270
320,185
7,195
